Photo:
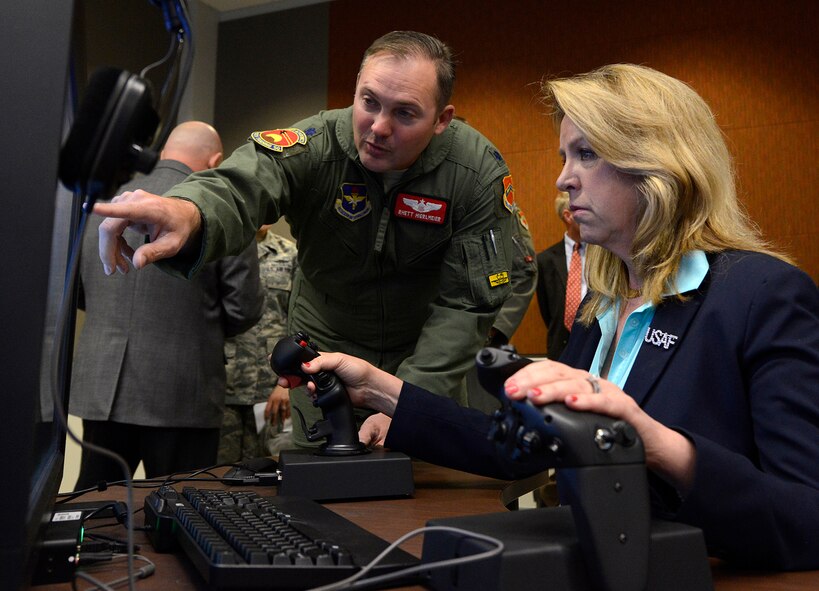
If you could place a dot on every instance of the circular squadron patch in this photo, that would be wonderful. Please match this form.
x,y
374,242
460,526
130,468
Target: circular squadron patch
x,y
279,139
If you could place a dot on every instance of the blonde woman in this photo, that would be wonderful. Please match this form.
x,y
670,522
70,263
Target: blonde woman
x,y
694,331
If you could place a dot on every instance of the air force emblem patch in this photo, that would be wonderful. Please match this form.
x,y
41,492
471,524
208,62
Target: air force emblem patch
x,y
353,202
279,139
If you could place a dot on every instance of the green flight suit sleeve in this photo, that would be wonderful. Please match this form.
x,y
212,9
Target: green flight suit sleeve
x,y
524,281
252,187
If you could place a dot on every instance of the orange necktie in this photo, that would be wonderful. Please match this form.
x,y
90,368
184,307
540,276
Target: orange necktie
x,y
573,287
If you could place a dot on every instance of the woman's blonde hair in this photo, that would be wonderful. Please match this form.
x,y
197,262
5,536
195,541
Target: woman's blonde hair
x,y
657,129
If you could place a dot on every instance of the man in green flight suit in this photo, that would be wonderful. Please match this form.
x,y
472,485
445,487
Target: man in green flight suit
x,y
403,220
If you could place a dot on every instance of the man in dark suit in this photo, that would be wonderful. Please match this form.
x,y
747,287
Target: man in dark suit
x,y
553,271
149,372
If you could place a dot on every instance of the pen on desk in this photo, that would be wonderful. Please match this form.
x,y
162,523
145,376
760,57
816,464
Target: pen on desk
x,y
492,238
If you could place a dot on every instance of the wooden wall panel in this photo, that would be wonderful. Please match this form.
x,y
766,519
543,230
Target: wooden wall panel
x,y
755,62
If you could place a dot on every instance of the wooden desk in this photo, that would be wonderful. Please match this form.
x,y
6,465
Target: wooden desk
x,y
440,492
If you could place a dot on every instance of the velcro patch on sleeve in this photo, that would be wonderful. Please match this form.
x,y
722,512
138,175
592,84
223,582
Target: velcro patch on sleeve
x,y
522,219
498,279
277,140
508,192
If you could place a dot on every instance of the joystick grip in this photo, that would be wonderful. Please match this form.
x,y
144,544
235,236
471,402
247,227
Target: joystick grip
x,y
288,355
566,437
495,366
338,425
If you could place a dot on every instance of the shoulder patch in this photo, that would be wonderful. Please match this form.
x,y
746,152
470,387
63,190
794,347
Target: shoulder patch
x,y
279,139
508,193
522,219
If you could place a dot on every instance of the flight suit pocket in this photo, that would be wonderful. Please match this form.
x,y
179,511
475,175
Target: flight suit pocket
x,y
487,271
340,236
421,249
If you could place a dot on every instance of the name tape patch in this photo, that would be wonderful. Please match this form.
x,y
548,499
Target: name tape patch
x,y
428,210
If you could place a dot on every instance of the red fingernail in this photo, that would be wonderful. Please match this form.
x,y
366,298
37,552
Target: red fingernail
x,y
534,392
572,398
511,388
306,364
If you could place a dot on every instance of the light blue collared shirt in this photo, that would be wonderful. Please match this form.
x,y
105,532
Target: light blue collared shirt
x,y
692,271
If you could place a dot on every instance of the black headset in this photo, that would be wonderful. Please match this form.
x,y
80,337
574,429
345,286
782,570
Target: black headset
x,y
114,133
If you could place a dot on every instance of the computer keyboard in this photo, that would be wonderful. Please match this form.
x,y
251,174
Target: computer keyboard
x,y
240,540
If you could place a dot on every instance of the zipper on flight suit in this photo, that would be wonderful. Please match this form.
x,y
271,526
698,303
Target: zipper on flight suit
x,y
374,181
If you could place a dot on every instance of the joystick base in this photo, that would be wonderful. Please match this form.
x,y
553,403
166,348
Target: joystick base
x,y
380,473
541,550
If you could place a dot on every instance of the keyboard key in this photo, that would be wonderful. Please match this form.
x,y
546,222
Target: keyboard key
x,y
225,557
258,557
343,559
302,560
281,558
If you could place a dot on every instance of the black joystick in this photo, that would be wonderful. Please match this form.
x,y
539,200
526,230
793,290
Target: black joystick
x,y
567,437
602,463
338,425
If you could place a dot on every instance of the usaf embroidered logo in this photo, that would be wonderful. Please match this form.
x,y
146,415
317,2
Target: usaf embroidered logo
x,y
353,203
279,139
659,338
508,193
420,208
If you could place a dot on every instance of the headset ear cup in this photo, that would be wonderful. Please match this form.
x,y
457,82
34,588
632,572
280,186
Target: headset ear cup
x,y
114,123
89,121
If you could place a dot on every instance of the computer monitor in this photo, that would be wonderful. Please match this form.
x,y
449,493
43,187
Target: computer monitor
x,y
35,226
38,227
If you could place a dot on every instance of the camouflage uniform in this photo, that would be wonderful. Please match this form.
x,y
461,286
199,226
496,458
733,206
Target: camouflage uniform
x,y
249,377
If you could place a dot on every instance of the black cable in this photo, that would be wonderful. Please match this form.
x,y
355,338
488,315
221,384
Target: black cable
x,y
184,39
192,474
141,483
95,541
171,48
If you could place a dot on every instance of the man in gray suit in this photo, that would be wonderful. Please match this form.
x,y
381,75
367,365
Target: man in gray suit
x,y
553,272
149,370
